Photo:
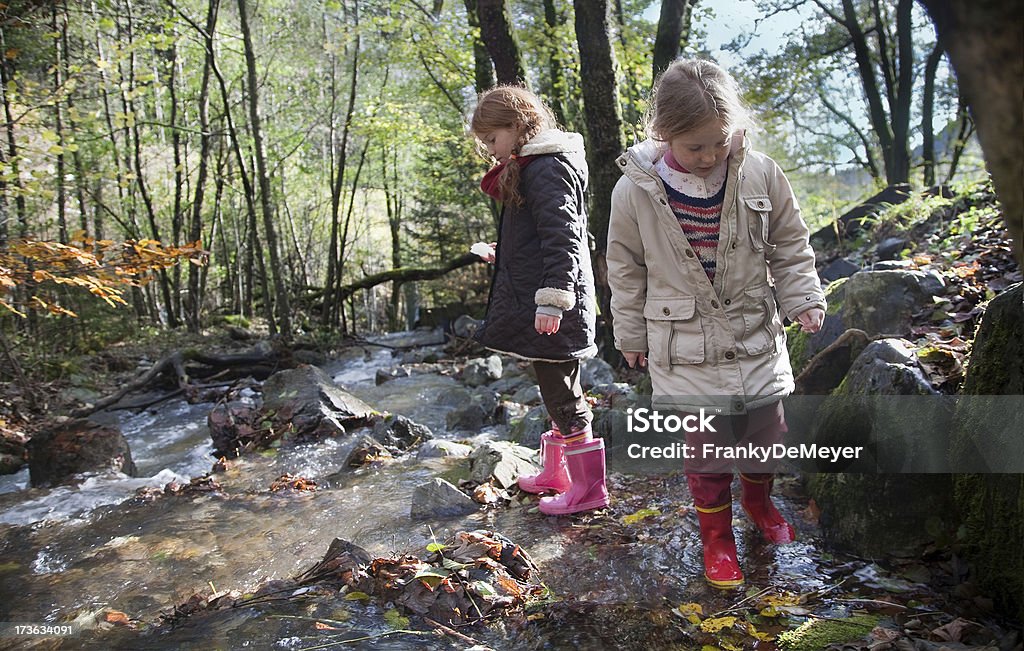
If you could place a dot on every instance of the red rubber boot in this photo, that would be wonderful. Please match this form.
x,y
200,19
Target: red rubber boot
x,y
757,502
721,568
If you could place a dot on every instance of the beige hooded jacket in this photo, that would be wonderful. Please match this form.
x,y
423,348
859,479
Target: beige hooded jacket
x,y
718,346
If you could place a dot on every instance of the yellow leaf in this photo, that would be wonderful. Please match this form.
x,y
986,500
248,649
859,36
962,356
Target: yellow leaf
x,y
716,624
357,596
640,515
753,632
691,612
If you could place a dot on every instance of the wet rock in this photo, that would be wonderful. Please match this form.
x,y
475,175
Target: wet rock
x,y
399,433
309,390
838,268
59,452
510,412
528,395
13,451
991,504
439,448
367,450
827,369
528,430
888,367
619,395
465,326
890,247
596,371
387,374
886,406
509,385
481,371
235,427
893,265
308,356
470,410
425,355
883,302
502,460
440,498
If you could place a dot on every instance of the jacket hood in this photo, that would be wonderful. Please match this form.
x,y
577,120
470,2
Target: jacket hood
x,y
638,161
556,141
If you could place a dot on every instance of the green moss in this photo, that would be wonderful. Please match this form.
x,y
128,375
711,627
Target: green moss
x,y
834,294
816,634
797,341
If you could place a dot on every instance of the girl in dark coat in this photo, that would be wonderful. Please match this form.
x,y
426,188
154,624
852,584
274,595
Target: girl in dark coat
x,y
541,305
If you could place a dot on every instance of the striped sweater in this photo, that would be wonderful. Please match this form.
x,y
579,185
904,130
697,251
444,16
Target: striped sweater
x,y
700,217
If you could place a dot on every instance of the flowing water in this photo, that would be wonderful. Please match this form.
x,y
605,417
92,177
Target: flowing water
x,y
70,553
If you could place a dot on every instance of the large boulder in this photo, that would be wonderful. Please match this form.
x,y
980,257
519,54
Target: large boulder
x,y
299,405
468,410
884,302
991,505
886,406
70,447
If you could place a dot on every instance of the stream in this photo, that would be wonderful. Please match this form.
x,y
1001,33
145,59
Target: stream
x,y
70,553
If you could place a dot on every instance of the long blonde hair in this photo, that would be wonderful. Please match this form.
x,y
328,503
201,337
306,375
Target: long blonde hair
x,y
688,94
503,107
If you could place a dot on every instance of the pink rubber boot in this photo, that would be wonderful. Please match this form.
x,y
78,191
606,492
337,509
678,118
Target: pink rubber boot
x,y
553,476
587,491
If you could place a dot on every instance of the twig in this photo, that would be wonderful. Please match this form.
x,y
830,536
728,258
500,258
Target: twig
x,y
873,601
451,631
736,606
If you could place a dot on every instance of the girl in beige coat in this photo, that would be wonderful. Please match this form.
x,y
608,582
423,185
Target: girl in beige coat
x,y
707,253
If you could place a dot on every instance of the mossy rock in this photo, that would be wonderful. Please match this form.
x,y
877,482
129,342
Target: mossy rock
x,y
876,515
816,634
992,505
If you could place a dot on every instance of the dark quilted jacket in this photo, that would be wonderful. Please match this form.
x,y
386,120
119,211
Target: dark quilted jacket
x,y
543,245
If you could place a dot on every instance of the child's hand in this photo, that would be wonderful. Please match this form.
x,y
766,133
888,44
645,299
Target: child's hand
x,y
484,250
634,359
811,320
546,324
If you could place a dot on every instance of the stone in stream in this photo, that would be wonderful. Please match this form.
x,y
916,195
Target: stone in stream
x,y
480,371
440,498
399,433
502,460
300,404
439,448
70,447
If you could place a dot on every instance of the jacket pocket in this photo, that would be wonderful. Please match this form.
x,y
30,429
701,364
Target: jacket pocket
x,y
759,209
759,316
675,334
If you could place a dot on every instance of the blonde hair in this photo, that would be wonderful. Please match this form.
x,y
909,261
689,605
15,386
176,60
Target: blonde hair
x,y
688,94
503,107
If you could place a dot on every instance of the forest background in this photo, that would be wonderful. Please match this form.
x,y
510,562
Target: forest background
x,y
312,159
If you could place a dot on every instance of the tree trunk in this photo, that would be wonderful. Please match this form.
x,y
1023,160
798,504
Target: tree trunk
x,y
277,272
339,161
60,27
672,23
982,39
483,69
928,115
140,178
193,309
496,32
557,89
599,79
865,67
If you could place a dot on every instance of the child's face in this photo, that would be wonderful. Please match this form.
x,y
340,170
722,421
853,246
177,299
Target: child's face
x,y
500,142
700,150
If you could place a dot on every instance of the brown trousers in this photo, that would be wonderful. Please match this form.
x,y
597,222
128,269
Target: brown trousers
x,y
563,394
